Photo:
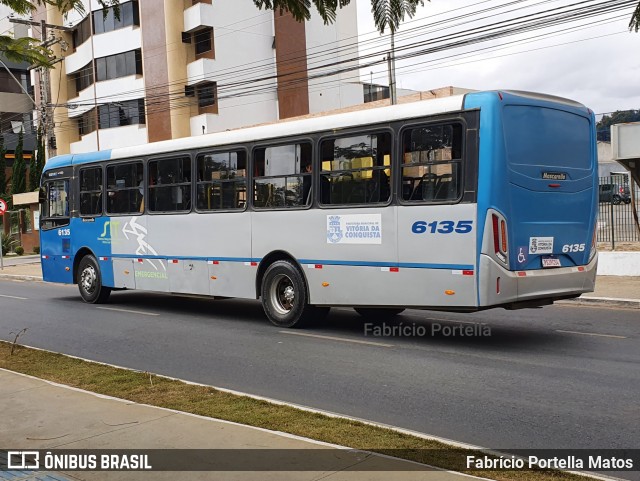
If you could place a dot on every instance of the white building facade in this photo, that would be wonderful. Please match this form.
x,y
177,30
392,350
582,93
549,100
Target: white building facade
x,y
175,68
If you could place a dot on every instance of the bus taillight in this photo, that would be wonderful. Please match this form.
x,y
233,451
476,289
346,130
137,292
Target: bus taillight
x,y
499,237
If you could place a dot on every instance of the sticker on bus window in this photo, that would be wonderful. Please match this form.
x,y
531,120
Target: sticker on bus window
x,y
540,245
354,229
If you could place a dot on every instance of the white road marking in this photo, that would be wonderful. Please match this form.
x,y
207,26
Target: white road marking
x,y
592,334
129,311
333,338
15,297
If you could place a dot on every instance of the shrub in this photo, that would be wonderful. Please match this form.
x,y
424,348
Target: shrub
x,y
19,250
36,250
8,243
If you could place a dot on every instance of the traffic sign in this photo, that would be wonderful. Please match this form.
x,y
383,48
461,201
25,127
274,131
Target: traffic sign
x,y
3,206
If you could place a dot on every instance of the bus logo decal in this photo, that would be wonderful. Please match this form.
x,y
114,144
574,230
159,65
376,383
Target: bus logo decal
x,y
554,176
540,245
141,232
334,229
354,229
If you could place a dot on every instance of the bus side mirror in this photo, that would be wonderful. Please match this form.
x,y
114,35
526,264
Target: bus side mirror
x,y
42,195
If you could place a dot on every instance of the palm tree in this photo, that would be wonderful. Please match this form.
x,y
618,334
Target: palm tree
x,y
386,13
634,24
28,49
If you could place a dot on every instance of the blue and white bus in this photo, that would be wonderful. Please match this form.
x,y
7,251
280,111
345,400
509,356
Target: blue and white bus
x,y
461,203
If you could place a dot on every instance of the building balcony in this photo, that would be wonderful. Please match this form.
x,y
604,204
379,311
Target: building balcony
x,y
198,16
201,70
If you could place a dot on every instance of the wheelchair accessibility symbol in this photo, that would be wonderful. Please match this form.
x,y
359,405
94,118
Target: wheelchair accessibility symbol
x,y
522,255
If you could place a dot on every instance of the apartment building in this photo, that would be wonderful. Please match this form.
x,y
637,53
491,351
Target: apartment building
x,y
16,108
174,68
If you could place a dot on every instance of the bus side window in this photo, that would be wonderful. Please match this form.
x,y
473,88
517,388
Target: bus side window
x,y
431,163
170,185
356,169
91,191
222,181
123,188
283,176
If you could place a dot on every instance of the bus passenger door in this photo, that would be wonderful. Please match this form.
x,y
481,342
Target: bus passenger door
x,y
55,230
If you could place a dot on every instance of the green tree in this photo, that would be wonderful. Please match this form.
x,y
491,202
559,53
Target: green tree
x,y
618,117
386,13
33,172
40,157
3,168
18,180
27,49
634,24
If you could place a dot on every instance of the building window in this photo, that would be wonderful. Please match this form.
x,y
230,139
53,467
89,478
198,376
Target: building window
x,y
125,188
280,173
431,163
81,33
119,65
130,112
106,21
7,82
356,170
170,185
84,77
203,40
206,94
222,181
91,191
87,122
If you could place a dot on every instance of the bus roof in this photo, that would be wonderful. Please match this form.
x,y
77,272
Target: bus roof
x,y
294,127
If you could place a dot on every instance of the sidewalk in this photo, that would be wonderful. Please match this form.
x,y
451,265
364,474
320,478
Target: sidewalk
x,y
614,291
42,415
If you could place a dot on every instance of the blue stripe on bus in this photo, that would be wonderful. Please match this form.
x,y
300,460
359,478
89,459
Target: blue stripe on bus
x,y
411,265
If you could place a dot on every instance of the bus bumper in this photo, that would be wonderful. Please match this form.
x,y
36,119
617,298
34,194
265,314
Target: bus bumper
x,y
498,286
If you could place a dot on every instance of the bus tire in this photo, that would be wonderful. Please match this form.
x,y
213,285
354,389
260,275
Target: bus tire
x,y
90,281
284,296
378,313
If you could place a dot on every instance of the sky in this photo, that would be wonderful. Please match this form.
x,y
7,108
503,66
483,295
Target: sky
x,y
598,65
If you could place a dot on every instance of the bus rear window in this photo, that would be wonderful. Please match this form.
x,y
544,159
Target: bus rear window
x,y
546,137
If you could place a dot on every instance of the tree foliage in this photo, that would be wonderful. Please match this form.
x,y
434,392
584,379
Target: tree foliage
x,y
3,168
18,175
27,49
634,24
618,117
386,13
40,157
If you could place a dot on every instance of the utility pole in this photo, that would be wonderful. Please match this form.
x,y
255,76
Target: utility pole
x,y
46,108
392,70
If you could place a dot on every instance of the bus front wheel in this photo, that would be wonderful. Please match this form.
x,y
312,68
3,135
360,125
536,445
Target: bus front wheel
x,y
284,296
90,281
378,313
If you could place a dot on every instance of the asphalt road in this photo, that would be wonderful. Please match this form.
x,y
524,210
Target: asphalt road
x,y
557,377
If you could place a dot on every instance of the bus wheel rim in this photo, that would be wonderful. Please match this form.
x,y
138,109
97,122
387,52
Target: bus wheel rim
x,y
88,279
283,294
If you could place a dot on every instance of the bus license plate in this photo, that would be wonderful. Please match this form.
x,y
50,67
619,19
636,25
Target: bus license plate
x,y
551,262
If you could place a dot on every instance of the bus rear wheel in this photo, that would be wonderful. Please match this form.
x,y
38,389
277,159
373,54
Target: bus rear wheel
x,y
284,297
90,281
378,313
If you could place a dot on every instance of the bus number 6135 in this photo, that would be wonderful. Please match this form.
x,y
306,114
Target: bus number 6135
x,y
442,227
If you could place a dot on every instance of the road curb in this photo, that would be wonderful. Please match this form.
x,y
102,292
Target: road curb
x,y
19,277
604,302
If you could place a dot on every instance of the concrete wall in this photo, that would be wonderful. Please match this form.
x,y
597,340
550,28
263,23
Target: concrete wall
x,y
619,263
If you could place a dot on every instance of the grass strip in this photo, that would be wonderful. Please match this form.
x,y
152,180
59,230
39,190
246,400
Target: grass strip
x,y
145,388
